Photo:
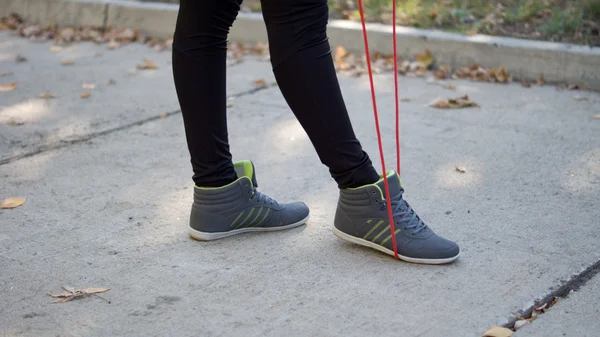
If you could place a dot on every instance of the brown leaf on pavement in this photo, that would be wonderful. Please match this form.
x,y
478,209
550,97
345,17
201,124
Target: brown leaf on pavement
x,y
497,331
442,73
148,64
14,122
8,87
67,34
460,169
520,323
12,202
577,87
113,44
111,82
541,81
89,86
164,116
343,59
85,95
426,59
20,58
596,117
46,95
260,83
71,293
455,103
500,75
525,84
67,62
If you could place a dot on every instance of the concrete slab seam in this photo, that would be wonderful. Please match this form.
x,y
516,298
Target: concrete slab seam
x,y
84,138
573,284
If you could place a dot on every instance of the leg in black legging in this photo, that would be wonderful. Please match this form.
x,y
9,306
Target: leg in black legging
x,y
305,73
303,67
199,70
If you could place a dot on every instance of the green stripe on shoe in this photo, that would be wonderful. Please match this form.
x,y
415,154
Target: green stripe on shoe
x,y
386,229
372,229
256,217
389,237
247,217
264,217
236,219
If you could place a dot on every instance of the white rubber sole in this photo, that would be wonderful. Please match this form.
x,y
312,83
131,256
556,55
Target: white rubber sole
x,y
382,249
207,236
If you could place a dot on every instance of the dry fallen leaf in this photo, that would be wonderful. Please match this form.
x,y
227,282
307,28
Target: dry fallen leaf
x,y
71,293
500,75
460,169
46,95
541,81
8,87
89,86
163,116
55,49
260,83
85,95
14,122
148,64
456,103
442,73
67,62
497,331
20,58
520,323
580,98
113,44
12,202
525,84
426,59
596,117
577,87
112,82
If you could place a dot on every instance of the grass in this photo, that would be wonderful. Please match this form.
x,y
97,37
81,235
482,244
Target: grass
x,y
576,21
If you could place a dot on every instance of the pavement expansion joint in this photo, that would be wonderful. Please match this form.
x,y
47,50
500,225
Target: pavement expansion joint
x,y
84,138
573,284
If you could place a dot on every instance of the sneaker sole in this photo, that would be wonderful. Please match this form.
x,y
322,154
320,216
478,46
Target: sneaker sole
x,y
382,249
208,236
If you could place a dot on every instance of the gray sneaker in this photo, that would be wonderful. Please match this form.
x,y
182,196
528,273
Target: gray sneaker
x,y
239,208
362,218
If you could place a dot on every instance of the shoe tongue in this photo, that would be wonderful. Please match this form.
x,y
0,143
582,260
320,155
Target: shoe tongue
x,y
393,184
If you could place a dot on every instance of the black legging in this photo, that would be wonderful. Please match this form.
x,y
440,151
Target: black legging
x,y
305,73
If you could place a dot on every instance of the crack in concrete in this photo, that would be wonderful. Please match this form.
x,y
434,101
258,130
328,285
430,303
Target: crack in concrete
x,y
573,284
64,143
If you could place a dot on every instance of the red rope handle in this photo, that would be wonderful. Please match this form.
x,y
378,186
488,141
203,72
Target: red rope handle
x,y
385,181
396,86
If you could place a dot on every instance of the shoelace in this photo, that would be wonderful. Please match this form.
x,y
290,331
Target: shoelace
x,y
261,197
402,210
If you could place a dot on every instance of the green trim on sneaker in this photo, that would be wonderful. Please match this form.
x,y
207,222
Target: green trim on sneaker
x,y
217,211
415,241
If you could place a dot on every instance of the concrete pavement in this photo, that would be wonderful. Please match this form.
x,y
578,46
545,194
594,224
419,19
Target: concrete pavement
x,y
111,211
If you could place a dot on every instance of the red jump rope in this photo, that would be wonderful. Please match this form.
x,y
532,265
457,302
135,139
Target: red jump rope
x,y
385,181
